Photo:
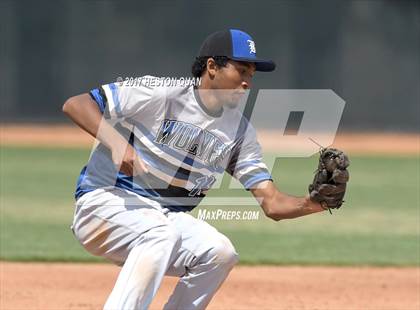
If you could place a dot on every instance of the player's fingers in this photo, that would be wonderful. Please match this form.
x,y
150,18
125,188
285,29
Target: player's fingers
x,y
132,164
128,160
123,160
140,166
126,168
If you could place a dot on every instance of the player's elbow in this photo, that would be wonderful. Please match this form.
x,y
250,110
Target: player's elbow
x,y
73,105
274,217
280,207
68,105
272,213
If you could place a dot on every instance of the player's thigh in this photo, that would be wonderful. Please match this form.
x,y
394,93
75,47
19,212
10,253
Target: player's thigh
x,y
109,223
201,242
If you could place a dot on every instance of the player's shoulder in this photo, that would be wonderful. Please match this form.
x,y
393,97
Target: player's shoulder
x,y
180,89
237,124
246,129
237,114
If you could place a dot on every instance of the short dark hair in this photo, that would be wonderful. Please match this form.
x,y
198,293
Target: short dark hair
x,y
200,64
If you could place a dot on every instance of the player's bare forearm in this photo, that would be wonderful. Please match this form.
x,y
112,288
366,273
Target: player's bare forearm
x,y
83,111
279,206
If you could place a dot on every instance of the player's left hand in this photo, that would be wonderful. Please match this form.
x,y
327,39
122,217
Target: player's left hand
x,y
128,161
329,184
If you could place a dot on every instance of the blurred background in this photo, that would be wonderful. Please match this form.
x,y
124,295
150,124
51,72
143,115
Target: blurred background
x,y
368,52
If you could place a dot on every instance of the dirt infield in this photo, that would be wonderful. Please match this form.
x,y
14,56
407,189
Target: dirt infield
x,y
72,136
86,286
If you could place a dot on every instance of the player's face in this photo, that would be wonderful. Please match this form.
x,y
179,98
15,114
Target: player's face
x,y
235,78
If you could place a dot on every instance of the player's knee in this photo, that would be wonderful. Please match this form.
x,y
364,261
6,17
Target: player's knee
x,y
224,253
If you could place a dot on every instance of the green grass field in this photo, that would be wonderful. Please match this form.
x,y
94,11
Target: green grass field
x,y
379,225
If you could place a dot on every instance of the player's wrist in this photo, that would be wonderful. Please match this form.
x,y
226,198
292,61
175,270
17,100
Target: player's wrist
x,y
311,205
119,145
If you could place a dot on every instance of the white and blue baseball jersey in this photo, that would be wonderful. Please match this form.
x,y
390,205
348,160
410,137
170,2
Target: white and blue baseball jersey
x,y
183,144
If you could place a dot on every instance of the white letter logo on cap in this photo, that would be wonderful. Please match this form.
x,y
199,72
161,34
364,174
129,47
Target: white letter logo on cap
x,y
251,46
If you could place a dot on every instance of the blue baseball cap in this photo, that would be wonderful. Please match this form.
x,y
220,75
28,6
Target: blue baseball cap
x,y
236,45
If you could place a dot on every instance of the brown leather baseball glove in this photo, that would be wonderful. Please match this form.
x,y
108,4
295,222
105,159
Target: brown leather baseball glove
x,y
329,184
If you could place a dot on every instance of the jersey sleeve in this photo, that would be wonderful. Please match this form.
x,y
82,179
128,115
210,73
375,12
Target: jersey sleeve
x,y
246,163
118,100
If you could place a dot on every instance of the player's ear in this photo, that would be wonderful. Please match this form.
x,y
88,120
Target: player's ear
x,y
211,67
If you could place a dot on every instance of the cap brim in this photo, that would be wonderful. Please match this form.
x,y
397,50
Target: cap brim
x,y
260,64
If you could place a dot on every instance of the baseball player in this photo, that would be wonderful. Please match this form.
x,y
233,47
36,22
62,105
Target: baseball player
x,y
160,148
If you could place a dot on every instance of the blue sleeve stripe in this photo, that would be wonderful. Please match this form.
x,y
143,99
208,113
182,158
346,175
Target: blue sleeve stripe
x,y
256,179
113,88
95,94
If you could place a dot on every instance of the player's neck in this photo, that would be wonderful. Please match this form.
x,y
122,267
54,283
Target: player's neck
x,y
209,98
